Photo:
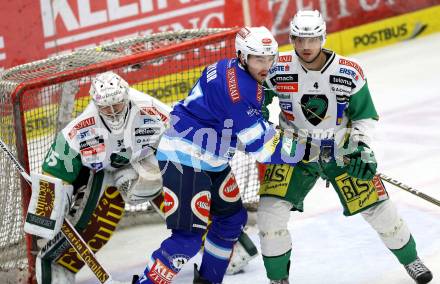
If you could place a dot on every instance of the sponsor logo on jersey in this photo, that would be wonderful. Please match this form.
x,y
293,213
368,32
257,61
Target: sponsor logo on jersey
x,y
259,93
170,202
285,58
340,90
233,90
286,78
144,131
80,125
149,120
229,190
350,63
93,150
85,134
91,142
160,273
314,107
288,115
144,140
286,106
340,80
154,112
349,72
201,205
253,111
287,87
284,96
279,68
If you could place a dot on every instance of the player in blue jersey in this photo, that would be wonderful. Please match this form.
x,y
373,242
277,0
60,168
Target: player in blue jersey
x,y
222,112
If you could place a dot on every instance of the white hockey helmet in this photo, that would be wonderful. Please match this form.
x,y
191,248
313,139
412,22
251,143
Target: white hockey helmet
x,y
255,41
109,92
308,24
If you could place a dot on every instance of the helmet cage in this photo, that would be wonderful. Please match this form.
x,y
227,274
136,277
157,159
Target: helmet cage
x,y
109,93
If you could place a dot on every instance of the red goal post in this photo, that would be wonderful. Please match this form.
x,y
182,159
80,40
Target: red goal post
x,y
38,99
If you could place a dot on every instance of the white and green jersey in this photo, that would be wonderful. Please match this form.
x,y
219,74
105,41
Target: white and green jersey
x,y
320,104
88,142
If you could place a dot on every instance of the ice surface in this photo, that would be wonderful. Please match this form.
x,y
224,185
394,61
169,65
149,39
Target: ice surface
x,y
328,247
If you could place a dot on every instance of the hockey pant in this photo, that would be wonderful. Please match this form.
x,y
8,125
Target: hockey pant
x,y
98,207
192,197
283,188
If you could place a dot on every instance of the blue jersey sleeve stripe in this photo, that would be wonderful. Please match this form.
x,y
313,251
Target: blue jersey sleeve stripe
x,y
249,135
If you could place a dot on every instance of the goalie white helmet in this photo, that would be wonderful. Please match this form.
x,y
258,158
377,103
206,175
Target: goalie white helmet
x,y
109,92
308,24
255,41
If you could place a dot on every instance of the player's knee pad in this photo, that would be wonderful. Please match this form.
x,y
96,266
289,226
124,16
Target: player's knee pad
x,y
272,217
52,273
385,219
229,227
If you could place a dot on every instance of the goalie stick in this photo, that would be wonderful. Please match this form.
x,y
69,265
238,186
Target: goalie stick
x,y
69,231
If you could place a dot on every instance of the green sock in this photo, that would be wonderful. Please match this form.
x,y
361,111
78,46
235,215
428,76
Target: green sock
x,y
407,253
277,267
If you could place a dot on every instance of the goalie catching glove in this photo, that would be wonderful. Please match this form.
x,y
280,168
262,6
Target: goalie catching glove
x,y
139,182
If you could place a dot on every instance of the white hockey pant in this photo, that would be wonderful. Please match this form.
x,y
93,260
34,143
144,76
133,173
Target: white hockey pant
x,y
385,219
272,217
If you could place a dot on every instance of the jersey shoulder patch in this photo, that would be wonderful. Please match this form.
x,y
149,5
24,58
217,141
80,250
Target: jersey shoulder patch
x,y
351,67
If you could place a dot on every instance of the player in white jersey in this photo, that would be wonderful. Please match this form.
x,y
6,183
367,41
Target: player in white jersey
x,y
325,102
108,155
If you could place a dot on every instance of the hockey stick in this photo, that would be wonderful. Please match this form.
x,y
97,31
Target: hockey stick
x,y
409,189
403,186
72,236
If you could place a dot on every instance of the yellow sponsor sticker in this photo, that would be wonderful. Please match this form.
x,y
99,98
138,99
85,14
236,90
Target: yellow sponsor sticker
x,y
357,193
276,180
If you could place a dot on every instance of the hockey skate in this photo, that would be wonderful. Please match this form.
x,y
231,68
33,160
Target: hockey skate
x,y
282,281
419,272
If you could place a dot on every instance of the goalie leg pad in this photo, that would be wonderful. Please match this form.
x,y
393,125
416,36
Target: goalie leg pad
x,y
244,250
48,205
52,273
272,217
385,219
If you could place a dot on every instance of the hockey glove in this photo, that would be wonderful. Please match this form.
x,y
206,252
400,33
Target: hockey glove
x,y
362,163
124,177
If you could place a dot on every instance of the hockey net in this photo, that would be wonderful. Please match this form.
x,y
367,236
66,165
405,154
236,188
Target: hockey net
x,y
38,99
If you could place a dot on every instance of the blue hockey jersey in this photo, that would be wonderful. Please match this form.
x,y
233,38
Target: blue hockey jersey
x,y
221,113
